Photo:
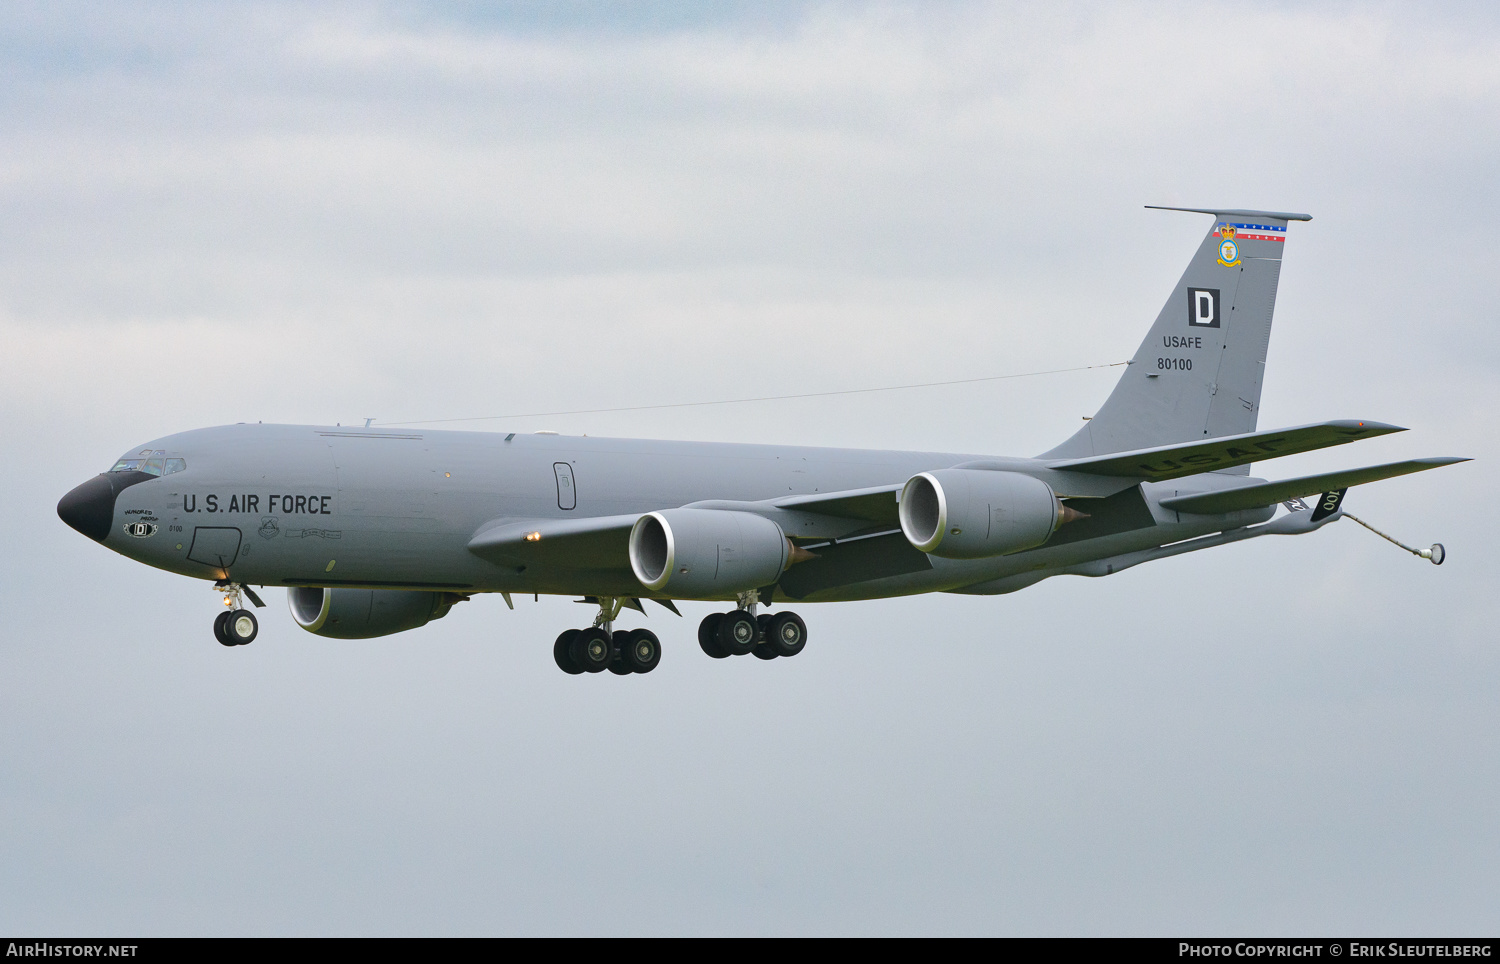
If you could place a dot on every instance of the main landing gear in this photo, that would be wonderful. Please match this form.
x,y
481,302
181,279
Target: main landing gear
x,y
236,626
742,631
602,647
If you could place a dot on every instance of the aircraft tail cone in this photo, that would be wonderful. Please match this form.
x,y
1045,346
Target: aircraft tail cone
x,y
1067,513
796,554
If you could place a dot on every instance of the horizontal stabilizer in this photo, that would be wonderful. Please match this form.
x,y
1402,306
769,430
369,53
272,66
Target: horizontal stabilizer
x,y
1175,461
1236,213
601,542
1270,493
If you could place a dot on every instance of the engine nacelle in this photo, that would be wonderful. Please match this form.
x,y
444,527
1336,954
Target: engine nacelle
x,y
364,613
973,513
707,553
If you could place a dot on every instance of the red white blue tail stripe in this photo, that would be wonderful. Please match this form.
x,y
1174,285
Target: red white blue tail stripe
x,y
1254,232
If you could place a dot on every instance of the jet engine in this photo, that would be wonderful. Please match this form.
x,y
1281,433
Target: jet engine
x,y
365,613
707,553
974,514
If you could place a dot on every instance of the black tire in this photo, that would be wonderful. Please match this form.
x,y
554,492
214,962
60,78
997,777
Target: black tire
x,y
786,634
220,633
619,665
764,651
593,650
738,632
562,653
708,636
642,651
241,627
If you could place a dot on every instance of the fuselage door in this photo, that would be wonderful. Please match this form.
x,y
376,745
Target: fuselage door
x,y
215,546
567,496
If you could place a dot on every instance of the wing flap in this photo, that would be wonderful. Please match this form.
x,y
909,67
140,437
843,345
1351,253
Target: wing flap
x,y
1175,461
1270,493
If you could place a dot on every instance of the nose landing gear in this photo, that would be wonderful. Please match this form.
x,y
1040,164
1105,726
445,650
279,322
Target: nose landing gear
x,y
236,626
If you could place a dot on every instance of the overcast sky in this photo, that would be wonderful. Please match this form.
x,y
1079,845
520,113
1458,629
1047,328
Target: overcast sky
x,y
304,213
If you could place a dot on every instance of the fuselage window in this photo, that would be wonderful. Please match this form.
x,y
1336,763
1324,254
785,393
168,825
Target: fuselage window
x,y
175,465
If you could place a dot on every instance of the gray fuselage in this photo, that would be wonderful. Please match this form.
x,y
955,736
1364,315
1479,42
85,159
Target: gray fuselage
x,y
332,506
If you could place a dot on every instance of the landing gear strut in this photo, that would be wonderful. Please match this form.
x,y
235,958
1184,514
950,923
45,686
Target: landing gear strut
x,y
739,632
236,626
600,647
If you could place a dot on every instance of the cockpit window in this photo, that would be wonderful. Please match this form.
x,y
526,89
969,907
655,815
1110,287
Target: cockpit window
x,y
151,462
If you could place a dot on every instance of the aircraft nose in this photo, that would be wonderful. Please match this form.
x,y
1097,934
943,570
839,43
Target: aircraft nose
x,y
89,508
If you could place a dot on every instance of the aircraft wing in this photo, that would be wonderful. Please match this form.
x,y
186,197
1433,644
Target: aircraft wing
x,y
874,504
601,542
1175,461
1270,493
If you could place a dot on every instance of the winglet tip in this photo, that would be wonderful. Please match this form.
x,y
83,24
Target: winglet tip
x,y
1365,426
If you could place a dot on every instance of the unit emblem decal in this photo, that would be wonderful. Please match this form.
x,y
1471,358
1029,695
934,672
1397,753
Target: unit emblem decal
x,y
1229,252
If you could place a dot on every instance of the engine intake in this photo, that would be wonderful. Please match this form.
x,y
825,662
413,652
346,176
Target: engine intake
x,y
707,553
366,613
974,514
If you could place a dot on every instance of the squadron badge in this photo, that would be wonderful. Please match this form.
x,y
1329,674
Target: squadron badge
x,y
1229,252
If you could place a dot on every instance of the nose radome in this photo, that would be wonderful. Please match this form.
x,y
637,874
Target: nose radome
x,y
90,508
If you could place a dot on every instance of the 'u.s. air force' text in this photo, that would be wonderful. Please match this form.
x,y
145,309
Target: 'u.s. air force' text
x,y
282,503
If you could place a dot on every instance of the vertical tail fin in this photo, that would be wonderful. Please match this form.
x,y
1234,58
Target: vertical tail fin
x,y
1198,373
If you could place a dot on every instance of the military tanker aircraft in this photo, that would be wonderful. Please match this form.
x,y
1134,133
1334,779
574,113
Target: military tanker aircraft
x,y
378,530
